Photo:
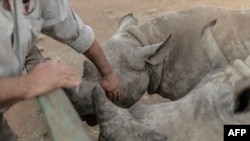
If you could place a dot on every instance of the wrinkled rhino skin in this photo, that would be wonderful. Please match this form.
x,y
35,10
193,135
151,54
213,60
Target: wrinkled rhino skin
x,y
168,55
222,97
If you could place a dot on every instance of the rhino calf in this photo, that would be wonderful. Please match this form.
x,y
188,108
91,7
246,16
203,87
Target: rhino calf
x,y
199,116
169,54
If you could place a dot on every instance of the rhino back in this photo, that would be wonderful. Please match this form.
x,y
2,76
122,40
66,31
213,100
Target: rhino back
x,y
186,65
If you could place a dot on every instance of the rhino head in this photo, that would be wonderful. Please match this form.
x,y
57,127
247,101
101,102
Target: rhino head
x,y
135,60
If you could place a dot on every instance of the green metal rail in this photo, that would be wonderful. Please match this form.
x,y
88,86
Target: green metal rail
x,y
62,119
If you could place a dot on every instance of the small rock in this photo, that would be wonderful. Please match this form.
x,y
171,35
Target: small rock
x,y
41,37
108,11
151,11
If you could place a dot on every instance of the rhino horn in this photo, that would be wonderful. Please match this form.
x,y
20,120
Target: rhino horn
x,y
152,54
125,22
242,96
103,108
90,71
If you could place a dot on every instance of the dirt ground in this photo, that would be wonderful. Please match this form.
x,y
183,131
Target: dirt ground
x,y
26,118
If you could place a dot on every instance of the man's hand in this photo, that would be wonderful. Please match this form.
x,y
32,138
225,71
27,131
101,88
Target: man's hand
x,y
48,76
111,84
44,78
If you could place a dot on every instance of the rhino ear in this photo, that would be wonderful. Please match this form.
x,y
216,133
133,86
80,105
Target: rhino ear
x,y
125,22
152,54
160,53
104,109
242,96
90,72
138,34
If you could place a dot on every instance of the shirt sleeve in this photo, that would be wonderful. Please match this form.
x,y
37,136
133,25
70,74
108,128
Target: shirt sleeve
x,y
64,25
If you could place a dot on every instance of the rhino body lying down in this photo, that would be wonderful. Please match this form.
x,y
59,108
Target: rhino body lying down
x,y
170,54
176,68
199,116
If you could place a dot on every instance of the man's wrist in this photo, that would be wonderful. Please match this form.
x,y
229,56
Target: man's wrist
x,y
107,72
29,86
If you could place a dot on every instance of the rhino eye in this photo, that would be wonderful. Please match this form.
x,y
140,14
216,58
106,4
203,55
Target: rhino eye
x,y
139,135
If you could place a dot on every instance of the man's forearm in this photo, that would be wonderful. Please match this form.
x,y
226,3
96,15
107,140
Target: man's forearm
x,y
13,90
44,78
97,56
110,82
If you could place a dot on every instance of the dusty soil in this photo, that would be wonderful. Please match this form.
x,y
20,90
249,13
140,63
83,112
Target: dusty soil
x,y
26,118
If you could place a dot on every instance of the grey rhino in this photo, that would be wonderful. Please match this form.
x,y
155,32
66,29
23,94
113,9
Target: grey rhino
x,y
222,97
169,54
179,65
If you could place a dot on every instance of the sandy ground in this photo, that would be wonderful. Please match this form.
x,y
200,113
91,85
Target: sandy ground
x,y
26,117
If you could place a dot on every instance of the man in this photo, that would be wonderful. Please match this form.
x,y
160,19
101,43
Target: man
x,y
15,42
17,38
56,19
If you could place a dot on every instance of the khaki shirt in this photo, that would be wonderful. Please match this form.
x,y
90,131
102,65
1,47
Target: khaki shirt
x,y
20,27
56,19
16,39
